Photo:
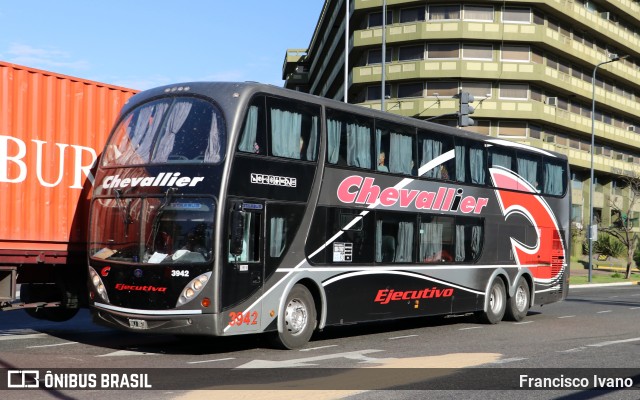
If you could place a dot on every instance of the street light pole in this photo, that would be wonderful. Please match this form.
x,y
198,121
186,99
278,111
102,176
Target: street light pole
x,y
346,52
612,58
384,52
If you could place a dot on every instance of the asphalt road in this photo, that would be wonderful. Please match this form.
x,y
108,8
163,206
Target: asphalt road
x,y
596,331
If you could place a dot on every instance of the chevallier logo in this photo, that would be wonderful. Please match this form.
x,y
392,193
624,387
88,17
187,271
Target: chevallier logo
x,y
359,190
386,295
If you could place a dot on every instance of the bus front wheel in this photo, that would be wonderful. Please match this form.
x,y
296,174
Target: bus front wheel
x,y
299,319
518,304
497,303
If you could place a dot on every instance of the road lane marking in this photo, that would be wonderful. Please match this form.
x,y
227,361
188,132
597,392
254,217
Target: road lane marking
x,y
471,327
575,350
508,360
522,323
402,337
398,372
208,361
319,347
28,336
605,311
310,361
51,345
127,353
612,342
566,316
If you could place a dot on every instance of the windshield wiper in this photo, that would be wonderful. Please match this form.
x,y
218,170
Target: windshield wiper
x,y
168,196
124,209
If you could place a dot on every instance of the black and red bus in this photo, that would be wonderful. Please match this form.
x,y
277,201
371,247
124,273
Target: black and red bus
x,y
234,208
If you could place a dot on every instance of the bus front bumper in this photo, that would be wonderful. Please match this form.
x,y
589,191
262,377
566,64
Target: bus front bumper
x,y
183,322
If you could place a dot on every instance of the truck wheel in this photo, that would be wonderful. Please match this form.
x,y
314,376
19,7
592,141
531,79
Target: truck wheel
x,y
30,293
497,303
518,304
299,318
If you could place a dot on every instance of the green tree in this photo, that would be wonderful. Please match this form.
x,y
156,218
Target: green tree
x,y
623,225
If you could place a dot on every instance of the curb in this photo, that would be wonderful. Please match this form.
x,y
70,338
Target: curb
x,y
595,285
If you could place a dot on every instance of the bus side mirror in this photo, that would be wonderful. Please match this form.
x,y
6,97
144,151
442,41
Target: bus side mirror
x,y
236,229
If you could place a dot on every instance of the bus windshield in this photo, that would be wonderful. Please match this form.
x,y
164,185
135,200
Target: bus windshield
x,y
153,230
170,130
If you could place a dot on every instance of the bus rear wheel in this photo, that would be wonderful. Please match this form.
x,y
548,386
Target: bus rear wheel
x,y
518,304
497,303
299,319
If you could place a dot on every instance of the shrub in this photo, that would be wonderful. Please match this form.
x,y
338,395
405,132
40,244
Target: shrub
x,y
608,245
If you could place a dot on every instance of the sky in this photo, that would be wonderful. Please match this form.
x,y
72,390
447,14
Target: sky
x,y
140,44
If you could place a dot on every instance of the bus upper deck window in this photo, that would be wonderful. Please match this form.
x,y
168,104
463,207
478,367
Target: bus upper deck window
x,y
193,132
168,130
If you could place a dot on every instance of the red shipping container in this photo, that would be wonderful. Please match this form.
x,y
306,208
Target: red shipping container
x,y
52,129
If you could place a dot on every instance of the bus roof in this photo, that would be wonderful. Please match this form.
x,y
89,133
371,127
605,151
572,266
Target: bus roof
x,y
228,95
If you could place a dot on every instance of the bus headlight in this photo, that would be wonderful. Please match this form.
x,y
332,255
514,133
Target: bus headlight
x,y
193,288
98,285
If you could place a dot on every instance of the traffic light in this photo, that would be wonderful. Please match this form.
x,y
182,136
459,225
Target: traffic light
x,y
465,110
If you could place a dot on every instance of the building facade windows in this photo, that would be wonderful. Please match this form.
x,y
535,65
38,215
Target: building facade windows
x,y
477,52
444,12
375,19
517,53
576,213
514,91
374,56
373,92
480,90
409,53
442,88
512,128
414,14
414,89
535,58
516,15
443,50
477,13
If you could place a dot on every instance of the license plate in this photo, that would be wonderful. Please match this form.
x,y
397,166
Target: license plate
x,y
138,324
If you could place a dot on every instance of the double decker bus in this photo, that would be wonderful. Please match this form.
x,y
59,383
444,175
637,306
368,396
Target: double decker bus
x,y
235,208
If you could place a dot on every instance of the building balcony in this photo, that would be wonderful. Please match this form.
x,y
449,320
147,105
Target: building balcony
x,y
456,69
493,32
533,112
583,17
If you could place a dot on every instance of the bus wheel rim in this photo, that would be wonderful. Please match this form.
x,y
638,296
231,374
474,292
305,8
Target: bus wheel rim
x,y
495,301
521,299
295,316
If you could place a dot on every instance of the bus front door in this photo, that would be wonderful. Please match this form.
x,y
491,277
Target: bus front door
x,y
243,273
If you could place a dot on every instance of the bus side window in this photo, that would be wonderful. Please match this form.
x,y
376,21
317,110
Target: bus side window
x,y
283,221
468,244
394,237
294,129
501,157
253,138
530,169
430,146
349,140
395,148
554,177
470,162
436,239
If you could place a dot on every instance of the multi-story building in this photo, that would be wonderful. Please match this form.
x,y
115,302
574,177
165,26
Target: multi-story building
x,y
529,65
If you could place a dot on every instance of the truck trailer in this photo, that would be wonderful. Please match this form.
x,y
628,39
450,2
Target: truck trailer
x,y
52,128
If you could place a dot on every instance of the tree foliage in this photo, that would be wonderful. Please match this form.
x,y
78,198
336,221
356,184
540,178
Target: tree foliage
x,y
623,226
